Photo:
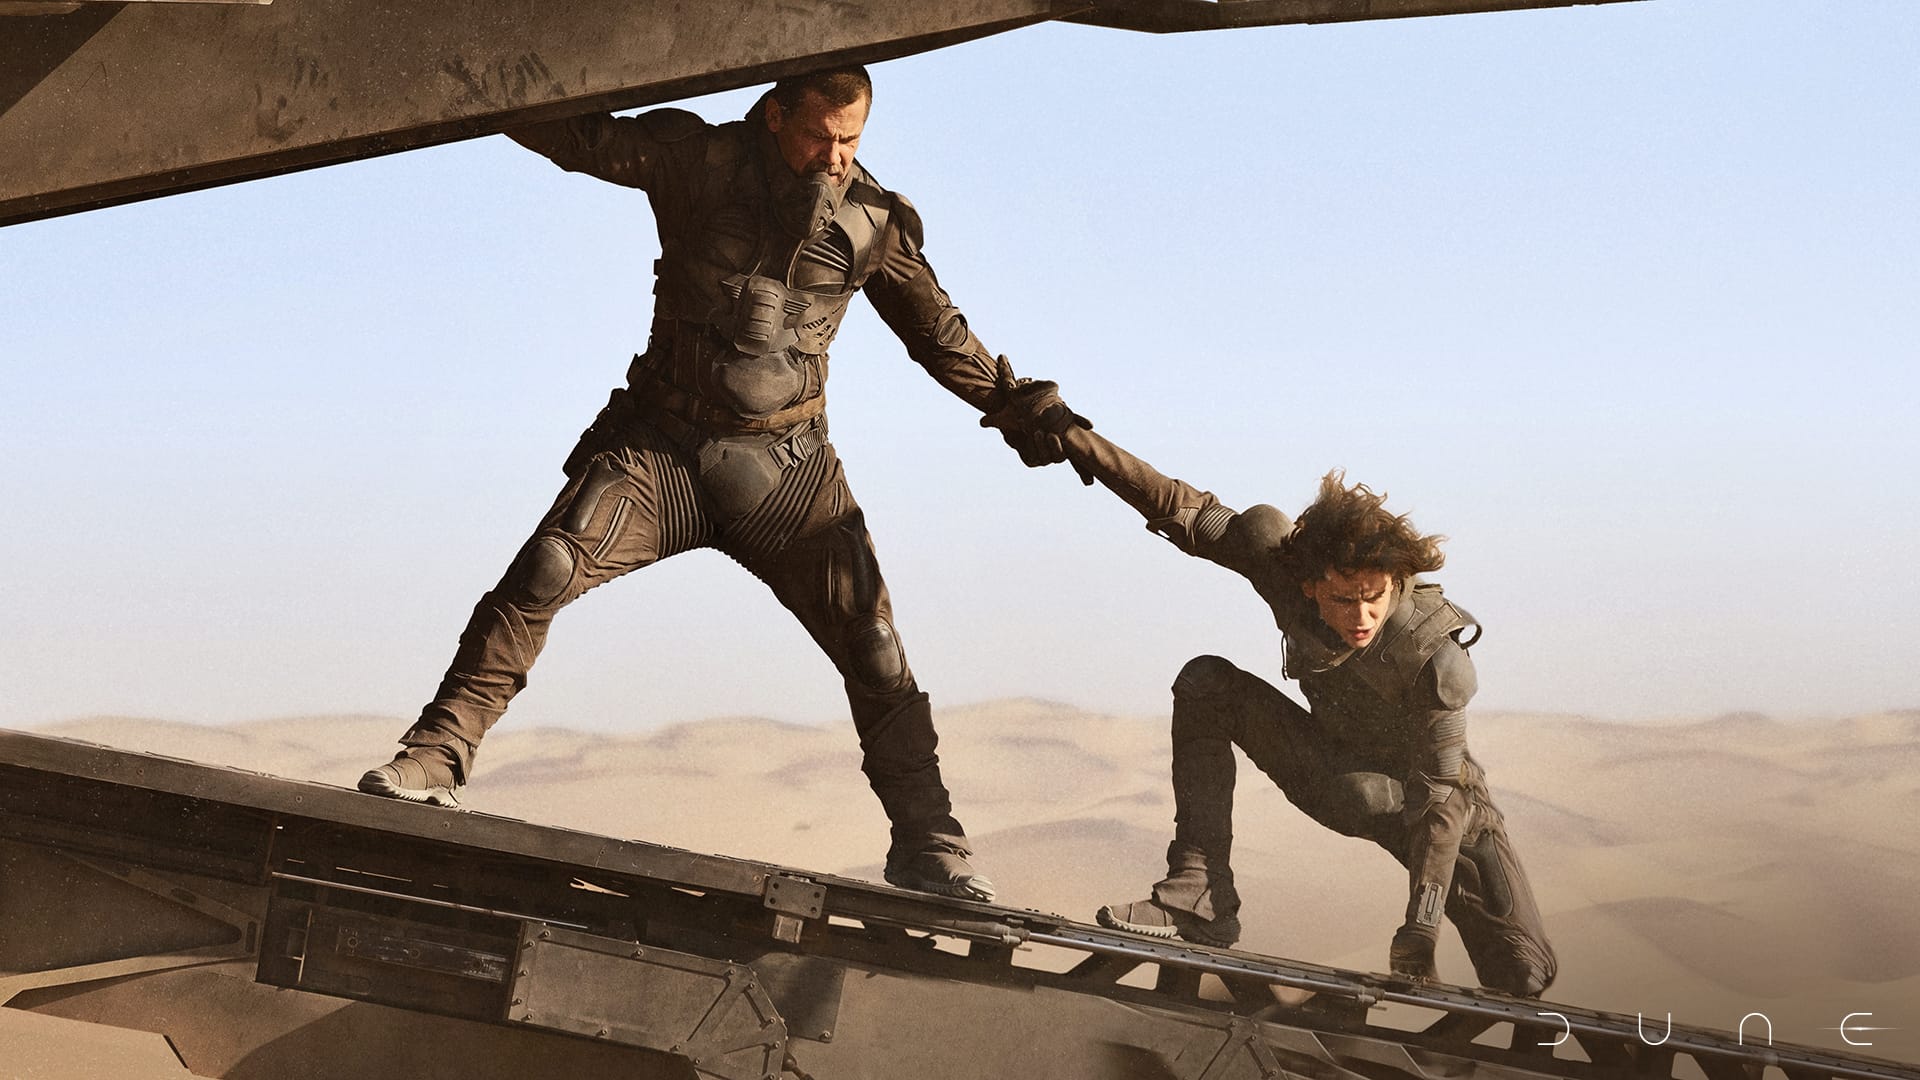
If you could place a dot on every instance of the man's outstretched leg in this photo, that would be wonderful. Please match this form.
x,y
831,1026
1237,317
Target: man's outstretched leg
x,y
606,522
1215,707
927,850
827,575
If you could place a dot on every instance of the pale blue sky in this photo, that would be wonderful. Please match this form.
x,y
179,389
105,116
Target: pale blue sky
x,y
1622,299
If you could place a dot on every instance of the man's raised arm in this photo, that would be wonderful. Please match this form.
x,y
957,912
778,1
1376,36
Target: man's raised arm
x,y
629,150
1195,521
911,302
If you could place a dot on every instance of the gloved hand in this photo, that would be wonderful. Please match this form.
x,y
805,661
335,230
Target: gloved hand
x,y
1411,956
1031,417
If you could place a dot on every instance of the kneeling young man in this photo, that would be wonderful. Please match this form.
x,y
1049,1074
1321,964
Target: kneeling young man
x,y
1381,753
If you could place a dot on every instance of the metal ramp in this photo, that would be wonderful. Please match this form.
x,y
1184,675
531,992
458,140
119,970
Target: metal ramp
x,y
269,927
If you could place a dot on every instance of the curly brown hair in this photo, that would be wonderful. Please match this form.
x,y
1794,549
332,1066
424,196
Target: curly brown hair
x,y
840,86
1348,529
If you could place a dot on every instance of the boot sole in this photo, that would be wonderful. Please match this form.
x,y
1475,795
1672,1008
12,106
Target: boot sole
x,y
376,782
1105,917
976,888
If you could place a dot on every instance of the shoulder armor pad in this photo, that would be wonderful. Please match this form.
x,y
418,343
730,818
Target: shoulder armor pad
x,y
1466,620
909,218
1421,626
670,125
1433,619
874,200
863,217
864,189
1453,676
731,157
1260,527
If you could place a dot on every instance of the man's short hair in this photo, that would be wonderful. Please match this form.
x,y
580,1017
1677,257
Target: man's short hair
x,y
1349,529
840,86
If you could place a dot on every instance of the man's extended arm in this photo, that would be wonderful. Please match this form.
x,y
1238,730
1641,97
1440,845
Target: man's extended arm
x,y
1437,808
1193,520
904,290
629,150
909,298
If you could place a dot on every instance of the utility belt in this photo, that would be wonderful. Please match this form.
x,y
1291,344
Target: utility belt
x,y
738,468
780,449
665,380
701,428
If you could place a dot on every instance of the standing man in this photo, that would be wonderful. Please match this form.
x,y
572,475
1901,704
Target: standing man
x,y
768,226
1382,751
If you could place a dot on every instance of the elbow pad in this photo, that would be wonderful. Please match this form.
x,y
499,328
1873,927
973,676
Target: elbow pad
x,y
1192,527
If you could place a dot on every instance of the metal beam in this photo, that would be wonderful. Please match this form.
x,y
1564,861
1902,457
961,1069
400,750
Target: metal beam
x,y
113,102
444,916
1180,16
108,102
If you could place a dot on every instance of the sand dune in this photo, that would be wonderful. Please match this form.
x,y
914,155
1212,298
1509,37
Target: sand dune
x,y
1707,868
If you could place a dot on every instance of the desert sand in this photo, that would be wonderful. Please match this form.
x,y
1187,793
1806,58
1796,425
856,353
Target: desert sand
x,y
1706,869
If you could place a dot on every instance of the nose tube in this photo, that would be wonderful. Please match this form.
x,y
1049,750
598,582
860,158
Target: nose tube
x,y
810,207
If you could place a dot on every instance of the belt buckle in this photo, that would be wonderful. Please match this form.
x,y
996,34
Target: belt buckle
x,y
797,447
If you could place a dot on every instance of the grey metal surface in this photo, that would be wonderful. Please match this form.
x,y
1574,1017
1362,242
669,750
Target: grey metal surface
x,y
393,961
411,909
113,102
1179,16
1481,1009
254,791
103,103
49,1048
711,1012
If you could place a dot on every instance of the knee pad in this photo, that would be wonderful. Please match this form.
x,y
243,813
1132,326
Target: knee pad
x,y
1496,886
542,572
1204,677
874,656
1350,803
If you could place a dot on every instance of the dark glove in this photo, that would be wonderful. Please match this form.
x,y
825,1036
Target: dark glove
x,y
1031,417
1411,956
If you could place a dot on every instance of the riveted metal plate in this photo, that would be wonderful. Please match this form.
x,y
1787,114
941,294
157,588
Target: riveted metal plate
x,y
714,1014
795,896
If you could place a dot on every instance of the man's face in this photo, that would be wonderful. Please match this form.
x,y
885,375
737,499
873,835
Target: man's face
x,y
818,137
1355,604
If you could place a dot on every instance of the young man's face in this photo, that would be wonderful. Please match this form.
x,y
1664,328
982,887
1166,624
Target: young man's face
x,y
1355,604
817,137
